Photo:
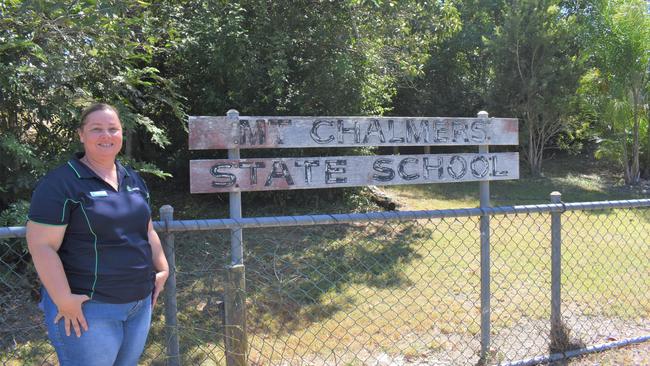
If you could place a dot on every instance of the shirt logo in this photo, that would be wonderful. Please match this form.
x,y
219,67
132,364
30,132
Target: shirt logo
x,y
131,189
99,194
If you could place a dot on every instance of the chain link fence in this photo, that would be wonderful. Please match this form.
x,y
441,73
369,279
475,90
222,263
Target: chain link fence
x,y
393,288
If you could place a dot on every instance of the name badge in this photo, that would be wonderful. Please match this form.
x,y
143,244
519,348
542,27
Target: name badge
x,y
99,194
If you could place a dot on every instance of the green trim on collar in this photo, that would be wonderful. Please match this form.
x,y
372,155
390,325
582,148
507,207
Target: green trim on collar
x,y
75,170
80,168
121,168
84,171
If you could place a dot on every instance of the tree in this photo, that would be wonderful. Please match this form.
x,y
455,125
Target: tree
x,y
55,57
617,86
458,73
536,70
298,57
302,57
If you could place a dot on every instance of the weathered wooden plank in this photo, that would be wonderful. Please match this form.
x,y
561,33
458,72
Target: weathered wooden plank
x,y
300,132
236,342
206,131
264,174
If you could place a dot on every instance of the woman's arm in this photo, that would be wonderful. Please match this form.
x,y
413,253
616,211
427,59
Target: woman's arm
x,y
159,263
43,242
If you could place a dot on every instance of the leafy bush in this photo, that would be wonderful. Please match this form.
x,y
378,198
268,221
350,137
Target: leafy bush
x,y
15,270
15,215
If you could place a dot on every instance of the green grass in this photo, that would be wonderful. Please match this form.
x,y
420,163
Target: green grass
x,y
578,179
433,294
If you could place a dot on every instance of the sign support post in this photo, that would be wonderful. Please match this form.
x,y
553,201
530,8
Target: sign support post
x,y
235,288
558,331
236,237
484,190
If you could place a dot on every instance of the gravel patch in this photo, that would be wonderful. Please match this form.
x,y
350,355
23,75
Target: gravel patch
x,y
637,355
523,340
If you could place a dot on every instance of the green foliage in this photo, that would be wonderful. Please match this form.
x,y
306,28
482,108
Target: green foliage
x,y
537,66
57,57
301,57
17,159
146,168
456,76
11,250
15,214
160,61
297,58
615,90
618,134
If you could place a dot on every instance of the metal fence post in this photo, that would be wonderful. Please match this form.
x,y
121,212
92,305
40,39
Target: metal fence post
x,y
235,290
485,258
236,238
171,324
557,329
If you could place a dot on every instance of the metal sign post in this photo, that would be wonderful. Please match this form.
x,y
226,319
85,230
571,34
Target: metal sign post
x,y
236,343
484,191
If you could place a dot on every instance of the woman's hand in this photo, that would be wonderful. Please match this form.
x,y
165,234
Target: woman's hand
x,y
159,285
70,310
159,263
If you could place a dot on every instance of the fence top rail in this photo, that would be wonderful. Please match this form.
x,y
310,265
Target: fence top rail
x,y
308,220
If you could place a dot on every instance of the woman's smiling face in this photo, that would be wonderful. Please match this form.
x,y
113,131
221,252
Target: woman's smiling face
x,y
101,135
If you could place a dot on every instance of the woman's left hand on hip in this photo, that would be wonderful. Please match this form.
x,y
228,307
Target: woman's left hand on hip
x,y
159,285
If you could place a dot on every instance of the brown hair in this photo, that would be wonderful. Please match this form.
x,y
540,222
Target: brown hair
x,y
94,108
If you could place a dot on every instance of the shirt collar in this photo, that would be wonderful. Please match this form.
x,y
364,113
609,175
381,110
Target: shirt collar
x,y
84,172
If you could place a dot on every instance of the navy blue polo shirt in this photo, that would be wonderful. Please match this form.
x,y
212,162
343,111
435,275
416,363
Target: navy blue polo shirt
x,y
105,250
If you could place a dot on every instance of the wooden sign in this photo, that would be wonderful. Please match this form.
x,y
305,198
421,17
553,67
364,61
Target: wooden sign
x,y
302,132
224,175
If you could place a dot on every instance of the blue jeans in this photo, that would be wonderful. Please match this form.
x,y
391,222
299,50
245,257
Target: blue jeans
x,y
116,333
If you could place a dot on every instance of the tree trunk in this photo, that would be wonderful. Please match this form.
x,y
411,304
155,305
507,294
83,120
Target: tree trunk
x,y
647,160
536,142
635,170
531,150
536,167
626,160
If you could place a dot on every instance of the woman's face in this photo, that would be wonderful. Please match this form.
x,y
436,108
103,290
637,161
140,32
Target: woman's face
x,y
101,135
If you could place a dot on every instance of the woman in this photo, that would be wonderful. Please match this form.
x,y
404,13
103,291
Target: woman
x,y
95,250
